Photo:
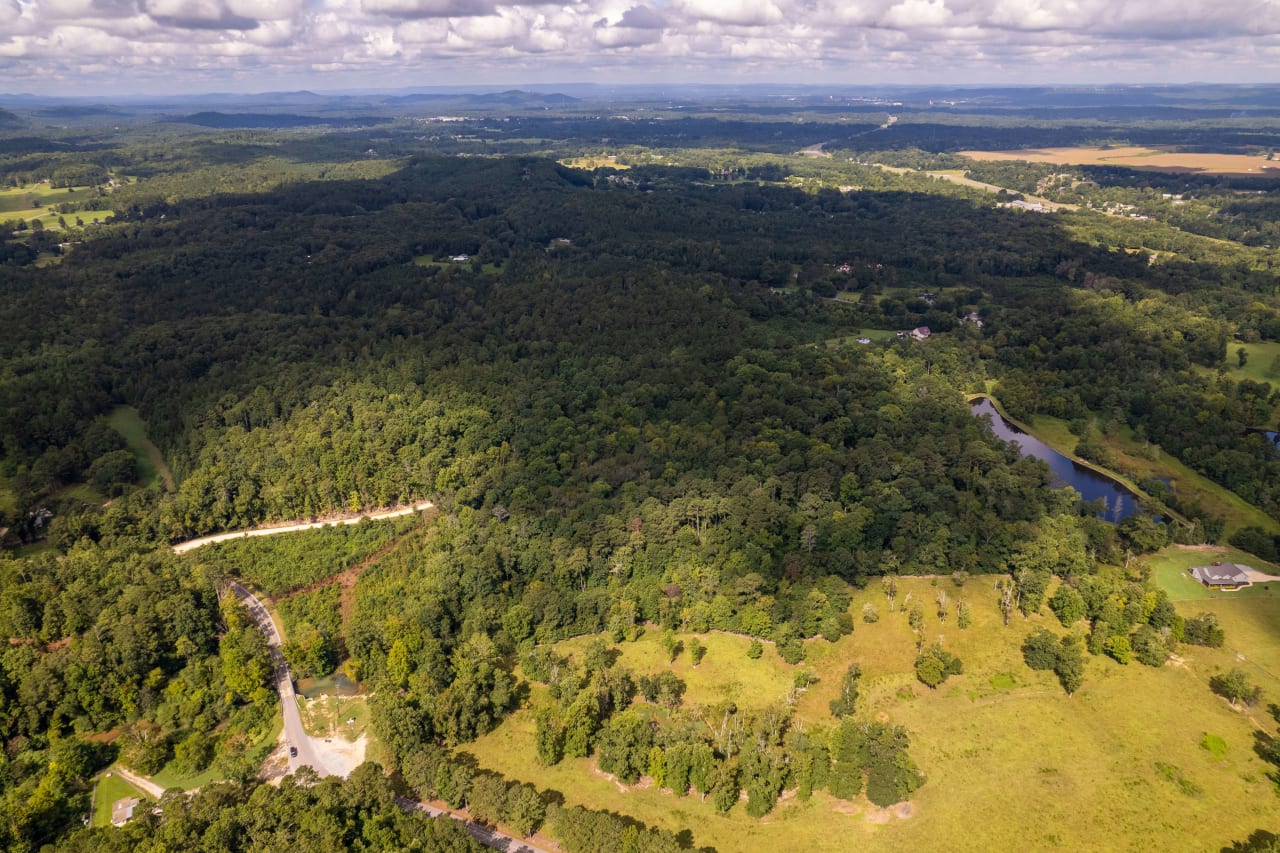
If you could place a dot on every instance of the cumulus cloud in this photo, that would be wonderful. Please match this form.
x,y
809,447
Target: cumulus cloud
x,y
750,13
506,42
197,15
428,8
638,26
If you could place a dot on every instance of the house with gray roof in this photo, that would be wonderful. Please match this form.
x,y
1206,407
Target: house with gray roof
x,y
1222,575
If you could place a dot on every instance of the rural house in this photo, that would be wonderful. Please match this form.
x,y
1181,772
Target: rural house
x,y
920,333
1222,575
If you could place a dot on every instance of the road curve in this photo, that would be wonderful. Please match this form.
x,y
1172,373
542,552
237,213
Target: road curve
x,y
295,735
192,544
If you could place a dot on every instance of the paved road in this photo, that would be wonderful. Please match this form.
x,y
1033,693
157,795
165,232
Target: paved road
x,y
294,734
486,836
192,544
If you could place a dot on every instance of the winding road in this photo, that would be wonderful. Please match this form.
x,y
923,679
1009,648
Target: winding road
x,y
307,755
295,735
192,544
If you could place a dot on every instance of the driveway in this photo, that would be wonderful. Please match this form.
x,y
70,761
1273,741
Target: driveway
x,y
295,735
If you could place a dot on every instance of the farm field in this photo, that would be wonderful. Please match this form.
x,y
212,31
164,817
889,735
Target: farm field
x,y
1137,158
1012,762
40,201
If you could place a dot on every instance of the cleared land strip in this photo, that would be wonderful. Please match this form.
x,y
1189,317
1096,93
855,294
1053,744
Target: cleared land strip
x,y
376,515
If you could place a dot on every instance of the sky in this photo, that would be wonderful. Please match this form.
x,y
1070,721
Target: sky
x,y
104,47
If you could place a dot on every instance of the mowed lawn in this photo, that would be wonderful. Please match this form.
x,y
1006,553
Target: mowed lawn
x,y
1011,761
1171,569
108,788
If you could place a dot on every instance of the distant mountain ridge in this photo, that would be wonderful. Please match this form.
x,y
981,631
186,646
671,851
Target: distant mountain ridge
x,y
270,120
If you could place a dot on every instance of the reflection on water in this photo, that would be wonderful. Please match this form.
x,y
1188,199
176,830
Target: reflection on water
x,y
1092,486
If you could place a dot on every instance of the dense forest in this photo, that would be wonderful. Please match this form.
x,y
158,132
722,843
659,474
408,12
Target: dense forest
x,y
636,400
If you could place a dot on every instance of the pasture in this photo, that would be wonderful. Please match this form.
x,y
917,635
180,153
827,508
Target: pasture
x,y
40,201
1012,762
1133,157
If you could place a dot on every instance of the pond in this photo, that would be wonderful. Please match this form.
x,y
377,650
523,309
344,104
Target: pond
x,y
331,685
1091,485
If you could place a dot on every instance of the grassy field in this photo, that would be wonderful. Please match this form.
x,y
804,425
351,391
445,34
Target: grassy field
x,y
1011,761
597,161
126,421
1138,158
1171,568
1259,358
40,201
106,790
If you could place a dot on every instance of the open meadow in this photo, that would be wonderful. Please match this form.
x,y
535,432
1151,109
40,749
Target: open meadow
x,y
1134,157
1012,762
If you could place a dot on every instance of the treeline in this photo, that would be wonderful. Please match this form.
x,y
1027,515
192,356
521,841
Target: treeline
x,y
120,636
301,813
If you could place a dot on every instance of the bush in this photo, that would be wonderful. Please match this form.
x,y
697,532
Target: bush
x,y
1256,541
1204,630
1118,648
1041,650
791,651
935,665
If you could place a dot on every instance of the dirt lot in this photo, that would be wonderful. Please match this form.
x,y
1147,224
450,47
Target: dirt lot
x,y
1140,158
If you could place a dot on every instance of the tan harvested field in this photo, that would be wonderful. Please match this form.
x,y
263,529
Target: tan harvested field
x,y
1140,158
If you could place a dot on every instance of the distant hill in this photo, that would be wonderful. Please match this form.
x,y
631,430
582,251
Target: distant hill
x,y
8,119
74,111
270,120
510,98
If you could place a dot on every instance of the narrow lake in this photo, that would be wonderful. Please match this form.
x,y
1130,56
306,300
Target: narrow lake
x,y
1091,485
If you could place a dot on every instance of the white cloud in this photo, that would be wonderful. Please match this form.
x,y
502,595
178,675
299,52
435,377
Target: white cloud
x,y
750,13
399,42
428,8
917,13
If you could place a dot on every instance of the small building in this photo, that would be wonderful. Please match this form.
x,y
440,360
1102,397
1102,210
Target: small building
x,y
920,333
1226,576
974,318
122,810
460,259
864,340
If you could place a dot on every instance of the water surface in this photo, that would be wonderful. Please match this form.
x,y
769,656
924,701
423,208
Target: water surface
x,y
1091,485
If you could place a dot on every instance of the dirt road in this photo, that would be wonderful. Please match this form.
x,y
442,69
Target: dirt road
x,y
378,515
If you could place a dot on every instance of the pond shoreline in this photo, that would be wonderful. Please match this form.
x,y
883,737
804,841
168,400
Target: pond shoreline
x,y
1120,482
